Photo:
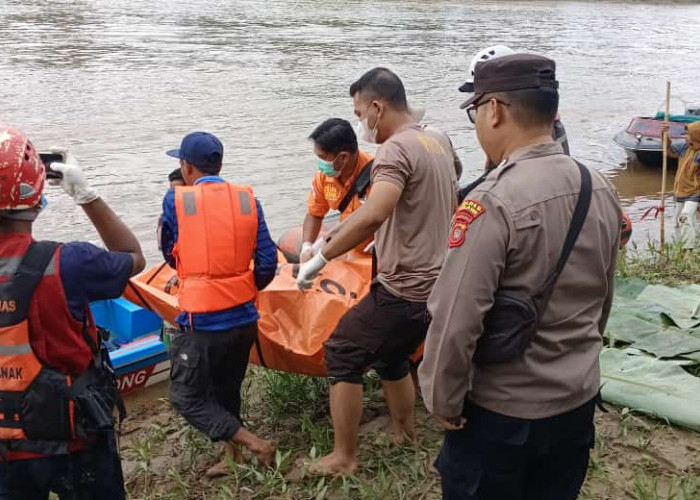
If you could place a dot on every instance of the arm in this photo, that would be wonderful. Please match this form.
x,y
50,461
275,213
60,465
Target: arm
x,y
116,236
114,233
461,297
265,257
168,228
365,220
312,226
607,304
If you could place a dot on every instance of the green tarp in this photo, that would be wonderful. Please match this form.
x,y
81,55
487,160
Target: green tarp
x,y
655,336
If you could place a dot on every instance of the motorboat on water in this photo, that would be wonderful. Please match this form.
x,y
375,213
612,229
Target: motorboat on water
x,y
642,137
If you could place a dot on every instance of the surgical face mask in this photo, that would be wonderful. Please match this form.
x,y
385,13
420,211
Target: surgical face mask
x,y
364,131
327,168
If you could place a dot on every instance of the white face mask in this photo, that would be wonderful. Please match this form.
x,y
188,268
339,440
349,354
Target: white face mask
x,y
363,131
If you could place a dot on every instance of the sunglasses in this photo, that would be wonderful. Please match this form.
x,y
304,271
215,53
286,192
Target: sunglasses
x,y
471,109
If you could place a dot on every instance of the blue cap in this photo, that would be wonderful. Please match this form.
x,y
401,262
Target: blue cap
x,y
201,149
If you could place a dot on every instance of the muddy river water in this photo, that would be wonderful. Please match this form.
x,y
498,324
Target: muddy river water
x,y
121,82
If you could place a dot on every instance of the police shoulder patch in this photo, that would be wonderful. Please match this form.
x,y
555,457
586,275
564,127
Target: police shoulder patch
x,y
467,213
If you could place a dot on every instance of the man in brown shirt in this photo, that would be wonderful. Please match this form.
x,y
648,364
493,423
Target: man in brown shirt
x,y
522,428
413,197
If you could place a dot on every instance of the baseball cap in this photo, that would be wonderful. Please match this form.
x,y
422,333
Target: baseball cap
x,y
514,72
201,149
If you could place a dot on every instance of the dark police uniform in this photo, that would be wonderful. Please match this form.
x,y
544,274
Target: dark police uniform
x,y
529,424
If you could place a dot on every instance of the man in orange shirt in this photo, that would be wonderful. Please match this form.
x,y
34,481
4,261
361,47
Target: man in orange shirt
x,y
340,164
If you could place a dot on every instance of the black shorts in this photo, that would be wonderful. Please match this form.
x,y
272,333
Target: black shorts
x,y
381,331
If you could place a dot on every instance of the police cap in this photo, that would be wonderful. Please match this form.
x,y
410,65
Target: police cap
x,y
514,72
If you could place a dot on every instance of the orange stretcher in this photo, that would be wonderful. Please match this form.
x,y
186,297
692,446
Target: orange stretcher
x,y
293,324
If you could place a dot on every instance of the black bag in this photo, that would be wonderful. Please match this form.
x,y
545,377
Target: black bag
x,y
512,322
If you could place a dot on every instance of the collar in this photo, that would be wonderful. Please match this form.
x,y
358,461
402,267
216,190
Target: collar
x,y
209,178
529,152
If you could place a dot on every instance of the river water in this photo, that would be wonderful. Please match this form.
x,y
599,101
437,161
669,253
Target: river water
x,y
121,82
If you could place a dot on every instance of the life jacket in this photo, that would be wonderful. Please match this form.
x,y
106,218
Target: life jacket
x,y
44,411
217,235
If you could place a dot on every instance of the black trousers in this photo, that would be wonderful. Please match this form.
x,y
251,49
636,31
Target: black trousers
x,y
92,473
496,457
207,370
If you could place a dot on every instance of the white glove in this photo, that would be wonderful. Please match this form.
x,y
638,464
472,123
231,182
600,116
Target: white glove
x,y
74,183
306,251
309,271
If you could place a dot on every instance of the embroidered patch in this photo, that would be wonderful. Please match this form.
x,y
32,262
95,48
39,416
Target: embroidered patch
x,y
467,213
472,209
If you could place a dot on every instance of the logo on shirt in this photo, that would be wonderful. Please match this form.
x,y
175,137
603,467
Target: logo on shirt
x,y
467,213
331,192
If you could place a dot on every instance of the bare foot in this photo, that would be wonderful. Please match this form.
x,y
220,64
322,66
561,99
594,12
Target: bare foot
x,y
231,452
218,470
263,450
334,464
401,436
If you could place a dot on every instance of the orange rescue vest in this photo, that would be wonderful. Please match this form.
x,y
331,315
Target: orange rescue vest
x,y
217,235
36,407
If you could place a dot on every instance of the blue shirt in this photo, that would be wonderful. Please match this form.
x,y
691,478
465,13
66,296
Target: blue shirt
x,y
265,267
89,273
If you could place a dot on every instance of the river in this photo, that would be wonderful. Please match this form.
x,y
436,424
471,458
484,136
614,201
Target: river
x,y
120,82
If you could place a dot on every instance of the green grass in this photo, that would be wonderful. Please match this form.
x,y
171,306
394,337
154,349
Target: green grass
x,y
670,265
293,410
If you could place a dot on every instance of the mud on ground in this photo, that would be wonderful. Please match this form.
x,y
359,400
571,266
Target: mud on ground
x,y
635,457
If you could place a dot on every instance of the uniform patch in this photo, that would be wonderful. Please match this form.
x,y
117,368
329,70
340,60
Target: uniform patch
x,y
467,213
330,192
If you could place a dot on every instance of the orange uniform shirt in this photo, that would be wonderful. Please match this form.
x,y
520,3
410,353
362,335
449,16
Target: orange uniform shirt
x,y
328,192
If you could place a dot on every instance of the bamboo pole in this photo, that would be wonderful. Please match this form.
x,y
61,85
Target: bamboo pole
x,y
664,169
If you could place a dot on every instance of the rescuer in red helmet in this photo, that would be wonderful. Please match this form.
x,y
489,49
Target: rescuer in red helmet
x,y
57,391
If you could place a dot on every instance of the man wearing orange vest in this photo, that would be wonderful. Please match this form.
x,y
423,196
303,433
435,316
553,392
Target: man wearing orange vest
x,y
211,231
57,389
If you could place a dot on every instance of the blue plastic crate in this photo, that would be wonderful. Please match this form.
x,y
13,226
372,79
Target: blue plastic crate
x,y
124,319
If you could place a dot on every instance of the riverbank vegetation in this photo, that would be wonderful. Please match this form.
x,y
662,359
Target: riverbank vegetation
x,y
635,457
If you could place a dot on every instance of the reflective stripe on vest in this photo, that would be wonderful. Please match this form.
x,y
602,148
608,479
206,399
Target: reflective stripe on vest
x,y
217,235
34,409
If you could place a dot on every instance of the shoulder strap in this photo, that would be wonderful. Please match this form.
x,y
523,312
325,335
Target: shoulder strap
x,y
20,288
464,192
359,187
577,220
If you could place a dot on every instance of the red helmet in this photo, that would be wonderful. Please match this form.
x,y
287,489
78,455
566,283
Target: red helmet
x,y
21,171
625,230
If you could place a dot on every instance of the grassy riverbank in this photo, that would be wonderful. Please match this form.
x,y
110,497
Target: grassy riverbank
x,y
635,457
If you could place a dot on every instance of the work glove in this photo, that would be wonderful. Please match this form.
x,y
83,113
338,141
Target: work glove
x,y
309,271
306,251
72,179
